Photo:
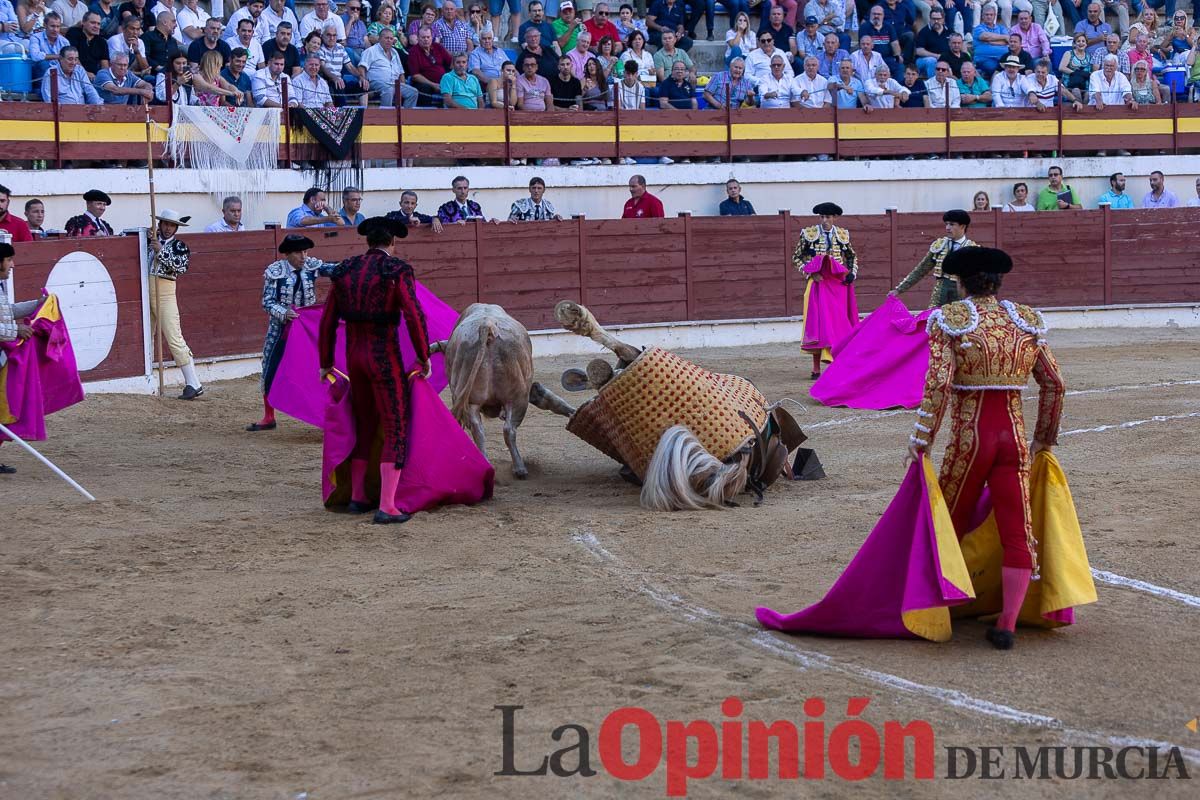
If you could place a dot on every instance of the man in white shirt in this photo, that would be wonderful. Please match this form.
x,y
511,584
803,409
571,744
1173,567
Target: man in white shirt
x,y
268,84
275,13
251,11
71,11
168,7
309,88
129,41
758,63
776,88
866,61
231,217
318,18
1008,85
883,90
1108,87
381,66
810,87
936,88
245,39
191,19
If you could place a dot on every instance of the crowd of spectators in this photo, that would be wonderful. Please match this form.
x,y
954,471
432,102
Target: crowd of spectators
x,y
551,55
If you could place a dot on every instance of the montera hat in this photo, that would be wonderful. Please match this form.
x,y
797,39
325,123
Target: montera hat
x,y
295,243
170,215
393,226
957,215
974,260
827,210
97,196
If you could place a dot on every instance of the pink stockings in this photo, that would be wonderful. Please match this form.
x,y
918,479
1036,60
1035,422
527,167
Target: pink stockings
x,y
1015,581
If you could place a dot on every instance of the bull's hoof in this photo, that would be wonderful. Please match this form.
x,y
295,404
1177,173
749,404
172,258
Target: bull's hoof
x,y
520,474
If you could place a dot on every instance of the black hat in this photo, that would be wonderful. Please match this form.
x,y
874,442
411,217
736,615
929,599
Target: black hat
x,y
295,243
393,226
97,196
6,251
827,210
957,215
973,260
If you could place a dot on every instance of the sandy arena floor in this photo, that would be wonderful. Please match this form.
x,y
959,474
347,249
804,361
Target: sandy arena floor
x,y
206,630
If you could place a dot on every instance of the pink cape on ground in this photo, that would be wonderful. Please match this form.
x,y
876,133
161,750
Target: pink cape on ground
x,y
881,364
443,467
830,307
297,389
41,376
903,578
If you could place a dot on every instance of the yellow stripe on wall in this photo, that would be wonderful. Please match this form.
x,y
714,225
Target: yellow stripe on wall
x,y
586,134
898,130
1189,124
453,134
1103,127
27,130
102,132
378,134
672,133
782,130
981,127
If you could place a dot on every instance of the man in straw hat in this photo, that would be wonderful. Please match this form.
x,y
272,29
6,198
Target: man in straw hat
x,y
288,284
371,293
818,242
944,288
981,354
90,223
169,258
11,326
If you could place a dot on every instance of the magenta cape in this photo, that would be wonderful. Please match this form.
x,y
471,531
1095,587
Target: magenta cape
x,y
830,306
904,577
881,364
41,376
443,466
297,389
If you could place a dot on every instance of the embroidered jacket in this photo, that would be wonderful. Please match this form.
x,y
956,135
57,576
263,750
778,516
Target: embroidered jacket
x,y
453,212
171,261
285,287
979,344
524,210
815,241
84,225
932,261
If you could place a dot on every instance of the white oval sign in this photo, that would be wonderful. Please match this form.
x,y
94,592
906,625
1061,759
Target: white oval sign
x,y
89,305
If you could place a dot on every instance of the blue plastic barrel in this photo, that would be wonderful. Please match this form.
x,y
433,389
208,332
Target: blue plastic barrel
x,y
16,71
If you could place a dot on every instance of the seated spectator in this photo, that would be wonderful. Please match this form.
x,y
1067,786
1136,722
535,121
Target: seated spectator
x,y
129,41
409,215
275,14
668,55
595,89
974,91
810,41
990,40
1043,90
775,90
635,50
236,75
731,86
829,62
192,19
957,54
309,88
1096,28
282,43
461,89
311,45
381,68
1034,40
246,40
981,202
269,81
211,88
252,12
211,41
320,17
831,16
885,38
884,91
451,32
45,47
338,71
917,92
532,90
486,60
116,85
1014,50
1144,86
74,85
758,63
478,23
428,63
866,61
565,88
90,45
740,39
1115,197
734,205
903,19
386,21
627,22
537,20
605,49
600,25
932,43
356,30
1109,87
1148,24
580,54
664,15
179,75
942,89
567,27
547,59
70,12
1178,39
1076,67
161,46
110,18
231,217
1140,52
1020,201
784,33
811,89
1111,46
630,93
1008,85
850,90
313,211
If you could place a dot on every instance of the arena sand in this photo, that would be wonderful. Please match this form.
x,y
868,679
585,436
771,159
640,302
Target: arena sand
x,y
206,630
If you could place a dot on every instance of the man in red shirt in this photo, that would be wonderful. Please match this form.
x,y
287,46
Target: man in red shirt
x,y
427,63
14,225
600,25
642,204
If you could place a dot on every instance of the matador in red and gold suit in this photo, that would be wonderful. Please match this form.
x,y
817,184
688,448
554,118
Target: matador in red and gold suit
x,y
372,292
981,354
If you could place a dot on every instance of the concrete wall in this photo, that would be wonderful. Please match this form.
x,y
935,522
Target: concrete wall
x,y
862,187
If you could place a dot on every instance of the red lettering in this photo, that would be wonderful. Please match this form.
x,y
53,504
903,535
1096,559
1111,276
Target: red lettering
x,y
814,740
649,751
678,768
787,749
731,739
894,735
868,744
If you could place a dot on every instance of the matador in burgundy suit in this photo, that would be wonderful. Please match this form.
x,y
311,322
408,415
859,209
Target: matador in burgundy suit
x,y
981,354
371,293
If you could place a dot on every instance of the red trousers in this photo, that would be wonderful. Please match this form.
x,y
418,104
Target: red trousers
x,y
987,447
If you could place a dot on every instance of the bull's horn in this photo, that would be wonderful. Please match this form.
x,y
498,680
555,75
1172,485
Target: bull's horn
x,y
578,320
438,347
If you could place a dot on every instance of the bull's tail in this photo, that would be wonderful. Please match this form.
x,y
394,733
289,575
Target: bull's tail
x,y
487,335
682,475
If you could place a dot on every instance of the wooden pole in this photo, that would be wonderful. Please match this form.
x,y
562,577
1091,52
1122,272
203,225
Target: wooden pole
x,y
153,232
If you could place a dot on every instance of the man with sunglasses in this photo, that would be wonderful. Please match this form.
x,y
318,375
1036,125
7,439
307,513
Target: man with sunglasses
x,y
356,30
758,63
600,25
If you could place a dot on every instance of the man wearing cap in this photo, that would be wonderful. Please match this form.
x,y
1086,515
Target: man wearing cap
x,y
11,327
89,222
944,288
816,242
372,293
810,41
288,284
170,258
981,354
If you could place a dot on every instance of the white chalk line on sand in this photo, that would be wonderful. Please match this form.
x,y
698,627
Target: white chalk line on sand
x,y
1113,579
1131,424
809,659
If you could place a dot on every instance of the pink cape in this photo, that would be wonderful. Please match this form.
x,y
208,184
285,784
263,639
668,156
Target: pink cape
x,y
881,364
443,465
903,579
41,376
297,389
830,306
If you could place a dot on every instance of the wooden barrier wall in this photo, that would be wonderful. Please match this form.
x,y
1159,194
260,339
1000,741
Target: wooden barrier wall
x,y
655,270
